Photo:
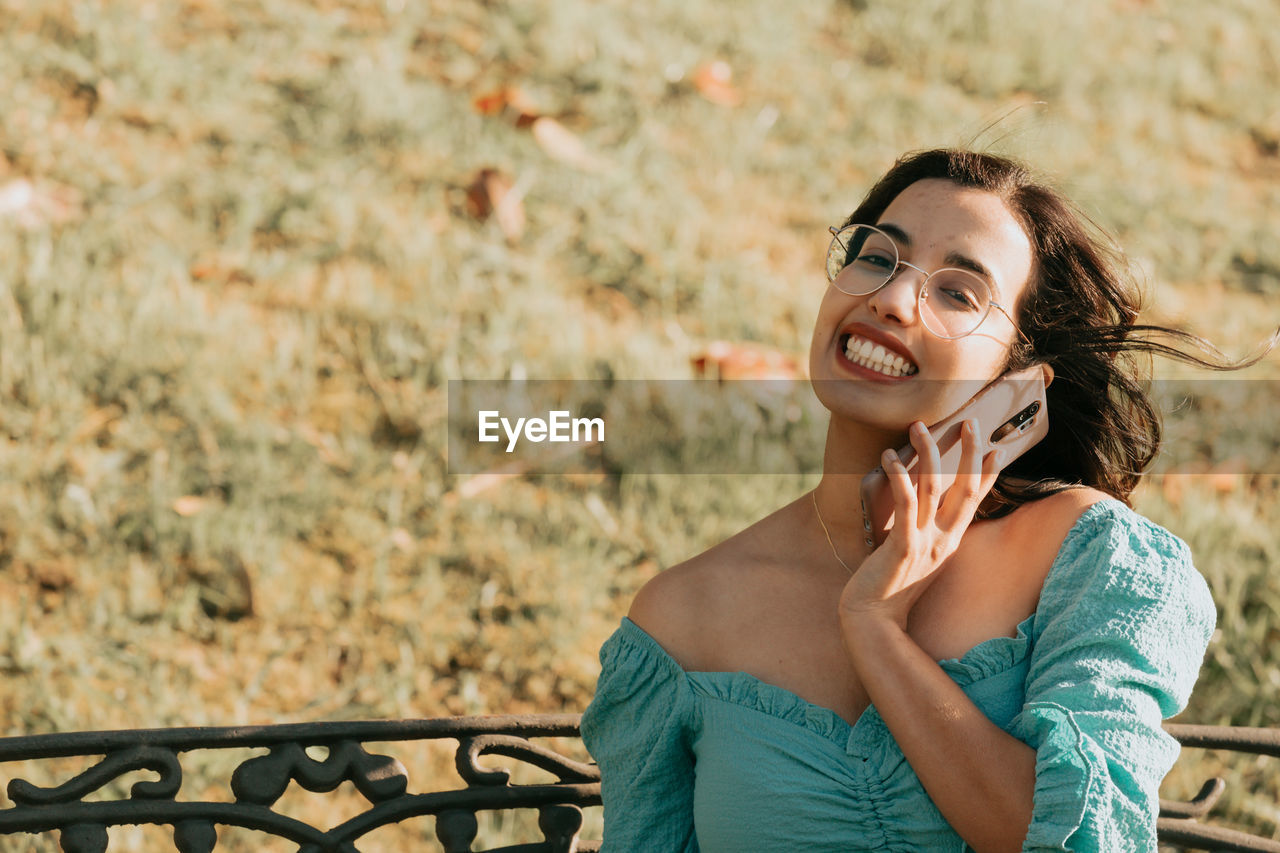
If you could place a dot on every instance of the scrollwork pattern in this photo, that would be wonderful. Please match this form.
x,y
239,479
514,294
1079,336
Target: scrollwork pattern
x,y
258,782
469,749
111,767
263,780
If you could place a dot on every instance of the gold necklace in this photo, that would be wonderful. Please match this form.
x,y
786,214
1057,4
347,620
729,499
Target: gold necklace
x,y
834,552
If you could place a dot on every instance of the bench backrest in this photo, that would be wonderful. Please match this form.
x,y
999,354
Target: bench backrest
x,y
257,782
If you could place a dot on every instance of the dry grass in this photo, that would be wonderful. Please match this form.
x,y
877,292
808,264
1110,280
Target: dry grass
x,y
239,263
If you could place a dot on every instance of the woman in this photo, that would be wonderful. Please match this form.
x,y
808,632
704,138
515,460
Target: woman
x,y
995,673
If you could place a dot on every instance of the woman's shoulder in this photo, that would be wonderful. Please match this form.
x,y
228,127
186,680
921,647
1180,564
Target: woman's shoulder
x,y
1056,527
1125,596
684,607
1107,550
1090,520
1051,518
665,607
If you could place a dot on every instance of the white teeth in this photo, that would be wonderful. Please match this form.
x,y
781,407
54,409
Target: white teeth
x,y
869,354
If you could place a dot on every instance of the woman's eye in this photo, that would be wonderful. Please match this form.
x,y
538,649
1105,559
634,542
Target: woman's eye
x,y
876,261
961,298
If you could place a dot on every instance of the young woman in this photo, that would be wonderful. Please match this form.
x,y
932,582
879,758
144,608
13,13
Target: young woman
x,y
994,674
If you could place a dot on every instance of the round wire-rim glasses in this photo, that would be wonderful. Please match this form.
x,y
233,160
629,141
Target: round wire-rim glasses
x,y
861,259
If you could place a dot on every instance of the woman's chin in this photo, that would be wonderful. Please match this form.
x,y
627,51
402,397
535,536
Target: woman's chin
x,y
860,403
891,408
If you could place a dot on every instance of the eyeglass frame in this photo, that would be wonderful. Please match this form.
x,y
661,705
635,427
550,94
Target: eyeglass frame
x,y
924,283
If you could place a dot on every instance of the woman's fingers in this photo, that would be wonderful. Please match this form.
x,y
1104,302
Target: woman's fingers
x,y
992,464
948,512
902,489
911,555
929,471
962,499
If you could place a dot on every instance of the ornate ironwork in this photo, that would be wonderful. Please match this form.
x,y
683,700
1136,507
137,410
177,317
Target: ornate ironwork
x,y
258,782
1179,822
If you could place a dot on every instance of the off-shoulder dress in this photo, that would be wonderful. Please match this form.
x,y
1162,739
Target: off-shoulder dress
x,y
722,761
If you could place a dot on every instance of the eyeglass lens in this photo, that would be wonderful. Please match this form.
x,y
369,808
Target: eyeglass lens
x,y
862,259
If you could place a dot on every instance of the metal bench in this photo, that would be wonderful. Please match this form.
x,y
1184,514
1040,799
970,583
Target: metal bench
x,y
257,783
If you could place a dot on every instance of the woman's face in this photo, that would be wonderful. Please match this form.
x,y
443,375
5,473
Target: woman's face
x,y
942,225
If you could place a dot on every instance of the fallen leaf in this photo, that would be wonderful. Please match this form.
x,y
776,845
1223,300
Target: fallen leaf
x,y
96,422
499,100
562,144
508,209
1222,478
220,268
490,103
491,193
470,486
137,117
714,81
725,360
477,483
188,505
1227,477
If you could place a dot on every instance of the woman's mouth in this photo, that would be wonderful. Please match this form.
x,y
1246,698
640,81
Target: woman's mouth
x,y
875,357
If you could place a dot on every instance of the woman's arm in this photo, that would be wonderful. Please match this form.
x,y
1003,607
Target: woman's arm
x,y
1120,632
636,730
980,777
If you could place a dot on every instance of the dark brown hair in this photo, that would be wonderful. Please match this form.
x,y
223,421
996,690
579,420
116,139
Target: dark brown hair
x,y
1079,314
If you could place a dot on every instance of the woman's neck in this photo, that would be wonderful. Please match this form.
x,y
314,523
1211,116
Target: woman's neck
x,y
852,450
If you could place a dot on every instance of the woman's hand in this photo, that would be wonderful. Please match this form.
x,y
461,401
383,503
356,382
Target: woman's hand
x,y
927,527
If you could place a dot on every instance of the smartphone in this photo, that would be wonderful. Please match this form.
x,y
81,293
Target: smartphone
x,y
1012,414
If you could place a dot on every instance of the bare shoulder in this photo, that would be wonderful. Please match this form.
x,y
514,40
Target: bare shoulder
x,y
682,606
679,606
1047,521
1064,507
666,607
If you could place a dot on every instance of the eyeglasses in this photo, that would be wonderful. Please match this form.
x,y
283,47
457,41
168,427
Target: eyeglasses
x,y
952,302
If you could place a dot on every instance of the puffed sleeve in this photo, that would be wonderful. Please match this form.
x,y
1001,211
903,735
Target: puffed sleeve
x,y
638,728
1119,636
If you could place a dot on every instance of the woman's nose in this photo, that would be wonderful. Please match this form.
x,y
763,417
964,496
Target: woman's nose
x,y
898,297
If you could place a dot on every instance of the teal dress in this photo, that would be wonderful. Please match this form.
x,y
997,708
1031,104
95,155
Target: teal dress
x,y
724,763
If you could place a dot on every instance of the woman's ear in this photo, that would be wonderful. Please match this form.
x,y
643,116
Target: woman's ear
x,y
1047,371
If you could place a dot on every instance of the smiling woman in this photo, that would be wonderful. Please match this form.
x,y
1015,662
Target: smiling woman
x,y
939,225
994,675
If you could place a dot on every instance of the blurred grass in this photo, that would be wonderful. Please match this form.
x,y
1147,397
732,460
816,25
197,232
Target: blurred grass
x,y
237,268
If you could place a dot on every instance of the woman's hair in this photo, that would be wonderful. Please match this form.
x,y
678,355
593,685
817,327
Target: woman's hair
x,y
1078,313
